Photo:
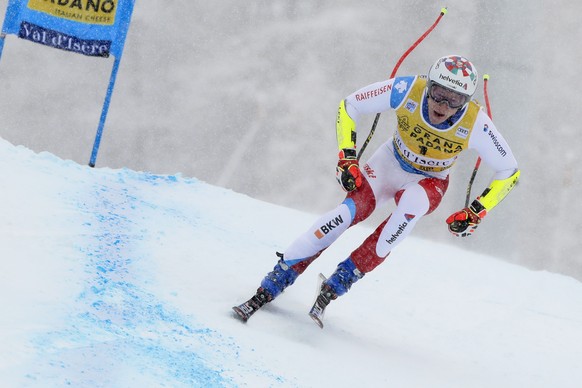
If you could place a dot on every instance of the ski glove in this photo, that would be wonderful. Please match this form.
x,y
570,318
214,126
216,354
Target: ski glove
x,y
464,222
347,171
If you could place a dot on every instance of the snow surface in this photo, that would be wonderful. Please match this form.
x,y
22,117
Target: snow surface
x,y
117,278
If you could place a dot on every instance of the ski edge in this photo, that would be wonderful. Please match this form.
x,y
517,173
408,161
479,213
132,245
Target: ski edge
x,y
312,314
239,314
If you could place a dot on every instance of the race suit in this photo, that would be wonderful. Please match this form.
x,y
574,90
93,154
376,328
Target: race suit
x,y
412,168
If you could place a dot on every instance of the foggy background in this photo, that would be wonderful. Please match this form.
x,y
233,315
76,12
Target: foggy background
x,y
244,95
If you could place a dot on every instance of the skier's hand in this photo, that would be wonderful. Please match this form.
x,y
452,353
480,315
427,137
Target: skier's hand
x,y
464,222
348,171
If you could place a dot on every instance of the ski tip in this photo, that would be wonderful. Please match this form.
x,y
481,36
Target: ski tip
x,y
238,313
317,320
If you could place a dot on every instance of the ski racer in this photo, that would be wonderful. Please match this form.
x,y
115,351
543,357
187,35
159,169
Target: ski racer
x,y
437,119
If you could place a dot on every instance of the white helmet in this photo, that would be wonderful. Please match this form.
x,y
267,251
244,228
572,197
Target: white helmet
x,y
456,73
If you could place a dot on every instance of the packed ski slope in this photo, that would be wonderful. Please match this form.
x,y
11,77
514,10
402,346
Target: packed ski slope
x,y
116,278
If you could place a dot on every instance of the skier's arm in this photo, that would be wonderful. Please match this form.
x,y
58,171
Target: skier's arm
x,y
497,190
346,128
495,152
372,99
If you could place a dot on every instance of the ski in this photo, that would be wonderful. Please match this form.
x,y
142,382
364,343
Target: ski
x,y
245,310
318,309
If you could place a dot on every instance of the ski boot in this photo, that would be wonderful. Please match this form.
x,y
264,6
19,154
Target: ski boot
x,y
281,277
338,284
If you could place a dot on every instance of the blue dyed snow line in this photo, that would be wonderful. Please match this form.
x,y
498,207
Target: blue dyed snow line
x,y
119,326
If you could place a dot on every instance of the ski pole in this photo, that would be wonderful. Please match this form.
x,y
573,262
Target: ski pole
x,y
373,129
478,163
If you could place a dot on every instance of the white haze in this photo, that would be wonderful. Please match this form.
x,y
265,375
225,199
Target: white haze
x,y
243,95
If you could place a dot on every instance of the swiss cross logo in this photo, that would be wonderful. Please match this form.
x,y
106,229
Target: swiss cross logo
x,y
401,86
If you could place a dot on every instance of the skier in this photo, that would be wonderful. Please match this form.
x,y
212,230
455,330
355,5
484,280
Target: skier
x,y
437,119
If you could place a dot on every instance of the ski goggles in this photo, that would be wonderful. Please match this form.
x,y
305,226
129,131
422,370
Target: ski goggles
x,y
453,99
